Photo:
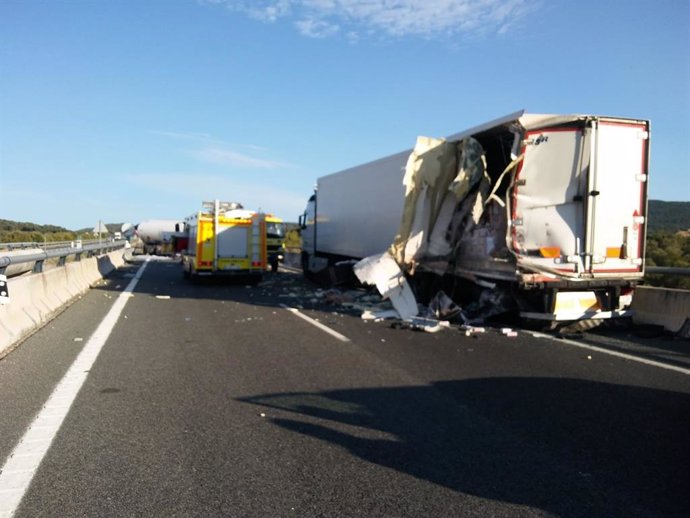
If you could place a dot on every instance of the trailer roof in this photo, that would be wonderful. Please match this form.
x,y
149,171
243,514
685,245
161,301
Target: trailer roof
x,y
528,121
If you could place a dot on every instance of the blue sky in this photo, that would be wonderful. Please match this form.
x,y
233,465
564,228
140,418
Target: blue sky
x,y
126,110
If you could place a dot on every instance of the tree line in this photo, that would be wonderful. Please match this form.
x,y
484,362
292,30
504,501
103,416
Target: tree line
x,y
668,239
24,232
665,248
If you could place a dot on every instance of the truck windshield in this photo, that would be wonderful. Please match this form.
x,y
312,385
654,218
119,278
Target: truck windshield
x,y
275,229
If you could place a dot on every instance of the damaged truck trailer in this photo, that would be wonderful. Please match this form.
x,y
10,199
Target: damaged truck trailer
x,y
542,214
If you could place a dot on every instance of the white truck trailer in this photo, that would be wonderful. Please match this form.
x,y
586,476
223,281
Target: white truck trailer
x,y
547,209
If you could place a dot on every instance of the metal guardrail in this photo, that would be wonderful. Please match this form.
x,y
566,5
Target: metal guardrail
x,y
63,249
52,245
667,270
60,250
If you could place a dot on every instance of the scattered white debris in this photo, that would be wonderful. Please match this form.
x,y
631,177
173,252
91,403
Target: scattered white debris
x,y
78,339
470,330
378,316
382,271
163,297
428,325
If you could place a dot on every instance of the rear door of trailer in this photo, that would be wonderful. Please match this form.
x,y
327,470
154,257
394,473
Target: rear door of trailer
x,y
580,198
618,197
548,208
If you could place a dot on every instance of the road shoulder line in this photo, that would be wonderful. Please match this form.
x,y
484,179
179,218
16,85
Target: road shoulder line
x,y
632,357
23,463
316,323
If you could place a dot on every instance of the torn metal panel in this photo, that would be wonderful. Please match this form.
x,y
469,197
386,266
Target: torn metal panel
x,y
430,166
383,272
439,174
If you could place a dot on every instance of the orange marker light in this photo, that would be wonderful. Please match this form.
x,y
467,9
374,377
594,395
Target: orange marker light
x,y
550,252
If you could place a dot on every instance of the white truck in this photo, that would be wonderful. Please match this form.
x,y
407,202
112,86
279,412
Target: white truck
x,y
549,210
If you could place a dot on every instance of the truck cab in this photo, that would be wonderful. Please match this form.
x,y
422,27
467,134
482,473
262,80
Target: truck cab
x,y
275,237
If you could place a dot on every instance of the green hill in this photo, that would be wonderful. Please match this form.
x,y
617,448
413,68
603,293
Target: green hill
x,y
25,232
669,216
21,226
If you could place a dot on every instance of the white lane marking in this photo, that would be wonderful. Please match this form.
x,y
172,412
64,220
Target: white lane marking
x,y
316,323
22,464
631,357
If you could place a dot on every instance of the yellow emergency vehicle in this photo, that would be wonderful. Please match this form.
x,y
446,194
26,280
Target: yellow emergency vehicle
x,y
225,239
275,239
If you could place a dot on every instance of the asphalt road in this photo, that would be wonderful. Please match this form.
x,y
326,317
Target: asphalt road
x,y
216,400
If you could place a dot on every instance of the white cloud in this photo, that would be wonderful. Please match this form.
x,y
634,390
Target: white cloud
x,y
316,28
186,191
214,151
398,18
227,157
197,137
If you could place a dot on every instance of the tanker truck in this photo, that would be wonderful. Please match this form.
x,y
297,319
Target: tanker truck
x,y
158,235
545,214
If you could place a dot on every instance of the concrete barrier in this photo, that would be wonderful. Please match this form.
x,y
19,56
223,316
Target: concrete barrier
x,y
35,299
661,306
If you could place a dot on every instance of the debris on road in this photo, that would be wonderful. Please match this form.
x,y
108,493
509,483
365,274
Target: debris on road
x,y
441,313
442,307
428,325
383,272
379,316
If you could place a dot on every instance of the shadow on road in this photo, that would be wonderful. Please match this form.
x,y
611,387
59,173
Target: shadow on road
x,y
566,446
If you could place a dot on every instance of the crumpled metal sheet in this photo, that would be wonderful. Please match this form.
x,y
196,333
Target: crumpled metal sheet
x,y
383,272
439,175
